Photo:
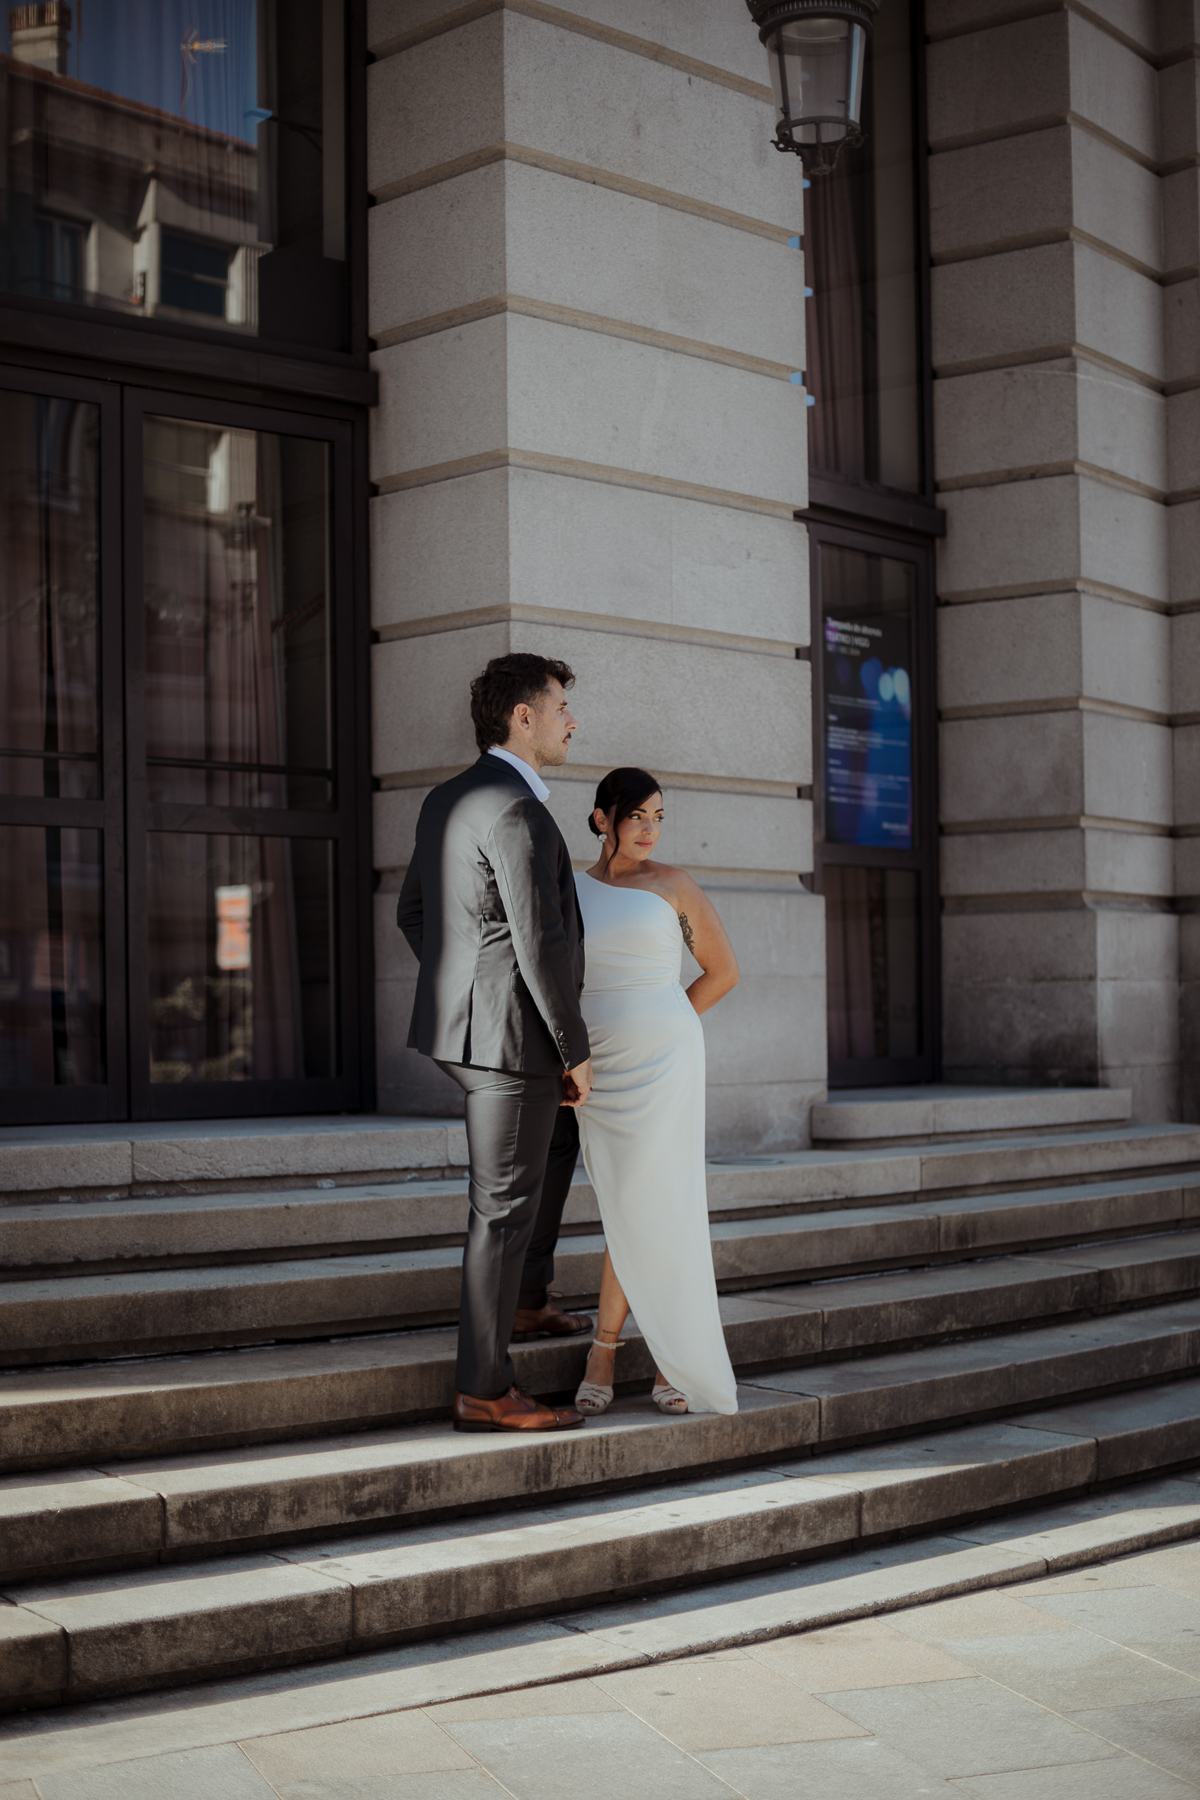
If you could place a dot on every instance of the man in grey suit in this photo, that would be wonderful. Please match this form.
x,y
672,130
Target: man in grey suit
x,y
489,909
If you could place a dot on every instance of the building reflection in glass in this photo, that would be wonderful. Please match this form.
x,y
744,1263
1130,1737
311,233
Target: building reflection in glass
x,y
180,160
51,948
239,955
240,958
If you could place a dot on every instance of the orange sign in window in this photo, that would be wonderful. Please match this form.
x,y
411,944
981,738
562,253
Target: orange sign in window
x,y
233,927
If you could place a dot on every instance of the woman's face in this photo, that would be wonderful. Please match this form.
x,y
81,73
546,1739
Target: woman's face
x,y
639,833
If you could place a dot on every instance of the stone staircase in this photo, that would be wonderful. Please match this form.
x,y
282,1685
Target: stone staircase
x,y
222,1421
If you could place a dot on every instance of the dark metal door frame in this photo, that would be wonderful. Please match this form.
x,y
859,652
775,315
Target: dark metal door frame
x,y
122,812
923,857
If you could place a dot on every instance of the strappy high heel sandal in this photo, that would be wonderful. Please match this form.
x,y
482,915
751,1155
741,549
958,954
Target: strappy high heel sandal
x,y
590,1396
668,1399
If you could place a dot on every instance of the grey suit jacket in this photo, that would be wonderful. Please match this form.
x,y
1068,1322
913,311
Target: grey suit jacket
x,y
489,909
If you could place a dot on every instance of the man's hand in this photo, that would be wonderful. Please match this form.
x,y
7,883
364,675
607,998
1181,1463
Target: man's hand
x,y
577,1084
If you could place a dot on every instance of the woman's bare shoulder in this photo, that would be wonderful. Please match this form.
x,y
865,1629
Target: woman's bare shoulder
x,y
675,885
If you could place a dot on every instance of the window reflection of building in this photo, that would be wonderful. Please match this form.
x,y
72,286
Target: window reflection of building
x,y
86,222
51,962
150,209
238,714
179,842
49,529
58,258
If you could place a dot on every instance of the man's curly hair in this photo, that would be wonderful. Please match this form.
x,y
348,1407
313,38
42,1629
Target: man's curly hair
x,y
508,681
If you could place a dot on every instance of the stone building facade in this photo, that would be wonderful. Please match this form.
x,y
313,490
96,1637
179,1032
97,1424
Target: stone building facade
x,y
588,312
576,339
1064,216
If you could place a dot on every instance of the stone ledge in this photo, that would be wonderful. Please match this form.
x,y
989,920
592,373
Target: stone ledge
x,y
173,1154
894,1115
226,1156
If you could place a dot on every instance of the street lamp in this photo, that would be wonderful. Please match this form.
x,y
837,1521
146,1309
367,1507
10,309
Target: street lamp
x,y
816,49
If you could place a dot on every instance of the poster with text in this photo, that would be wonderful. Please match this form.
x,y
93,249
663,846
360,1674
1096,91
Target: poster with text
x,y
868,731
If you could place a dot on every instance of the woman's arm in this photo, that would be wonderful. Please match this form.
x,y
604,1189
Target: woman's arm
x,y
706,938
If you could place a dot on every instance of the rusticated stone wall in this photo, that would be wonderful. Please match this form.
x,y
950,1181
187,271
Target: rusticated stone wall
x,y
1066,343
589,444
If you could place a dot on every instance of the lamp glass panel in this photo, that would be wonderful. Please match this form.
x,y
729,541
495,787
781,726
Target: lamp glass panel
x,y
810,62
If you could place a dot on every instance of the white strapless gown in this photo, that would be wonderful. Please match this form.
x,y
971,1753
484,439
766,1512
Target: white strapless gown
x,y
642,1133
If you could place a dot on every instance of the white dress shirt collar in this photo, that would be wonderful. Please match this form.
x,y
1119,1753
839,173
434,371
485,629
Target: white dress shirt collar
x,y
523,768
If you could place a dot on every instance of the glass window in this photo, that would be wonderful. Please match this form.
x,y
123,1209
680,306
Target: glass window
x,y
49,597
240,958
195,275
203,764
182,159
860,247
51,957
873,963
58,257
237,614
867,677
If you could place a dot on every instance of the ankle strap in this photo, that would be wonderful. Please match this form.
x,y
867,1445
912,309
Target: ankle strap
x,y
619,1345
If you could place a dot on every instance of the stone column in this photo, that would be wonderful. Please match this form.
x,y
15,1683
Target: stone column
x,y
1047,189
590,444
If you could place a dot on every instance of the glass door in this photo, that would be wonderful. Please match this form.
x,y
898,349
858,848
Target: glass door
x,y
181,909
875,805
61,968
242,805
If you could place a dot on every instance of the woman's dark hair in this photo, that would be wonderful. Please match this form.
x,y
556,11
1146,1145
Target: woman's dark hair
x,y
508,681
626,790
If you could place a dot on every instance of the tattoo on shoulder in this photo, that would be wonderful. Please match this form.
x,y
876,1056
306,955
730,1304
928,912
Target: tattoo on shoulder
x,y
686,929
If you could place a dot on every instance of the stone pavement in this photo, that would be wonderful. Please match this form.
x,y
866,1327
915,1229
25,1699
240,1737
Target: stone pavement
x,y
1079,1686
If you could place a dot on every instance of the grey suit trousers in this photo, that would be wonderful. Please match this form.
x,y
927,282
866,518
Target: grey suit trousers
x,y
522,1143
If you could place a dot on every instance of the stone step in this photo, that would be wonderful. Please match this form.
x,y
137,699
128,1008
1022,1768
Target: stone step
x,y
188,1156
174,1508
101,1237
1060,1536
927,1114
210,1229
220,1199
148,1311
112,1633
140,1408
955,1166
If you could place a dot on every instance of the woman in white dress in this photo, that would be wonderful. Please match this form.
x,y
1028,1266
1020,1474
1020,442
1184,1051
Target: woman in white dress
x,y
642,1130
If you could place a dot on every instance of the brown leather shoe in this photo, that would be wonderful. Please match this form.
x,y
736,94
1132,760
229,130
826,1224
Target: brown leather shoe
x,y
547,1320
513,1411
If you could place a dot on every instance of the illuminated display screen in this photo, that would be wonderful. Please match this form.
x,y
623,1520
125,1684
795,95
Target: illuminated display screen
x,y
868,730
